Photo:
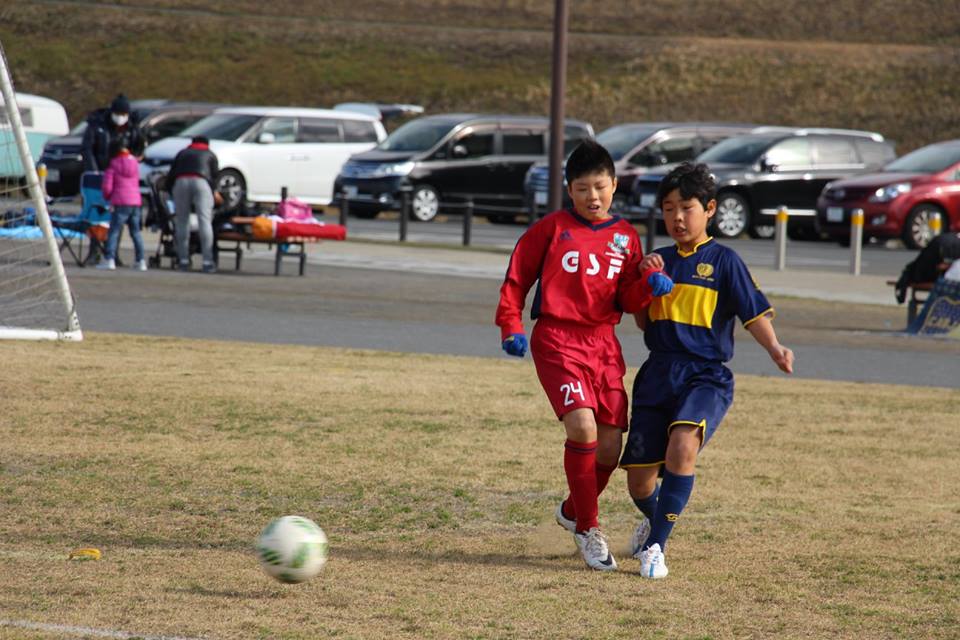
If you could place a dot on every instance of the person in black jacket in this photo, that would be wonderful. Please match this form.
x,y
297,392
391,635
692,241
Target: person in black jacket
x,y
104,126
191,181
926,266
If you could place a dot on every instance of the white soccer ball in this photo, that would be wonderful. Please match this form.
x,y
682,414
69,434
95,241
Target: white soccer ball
x,y
292,549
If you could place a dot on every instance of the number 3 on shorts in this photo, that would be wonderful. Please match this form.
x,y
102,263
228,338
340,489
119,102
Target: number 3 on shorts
x,y
569,389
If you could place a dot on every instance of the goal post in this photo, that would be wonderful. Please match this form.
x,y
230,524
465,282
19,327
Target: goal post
x,y
35,298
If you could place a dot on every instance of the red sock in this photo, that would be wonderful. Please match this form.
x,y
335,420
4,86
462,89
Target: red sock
x,y
580,463
603,477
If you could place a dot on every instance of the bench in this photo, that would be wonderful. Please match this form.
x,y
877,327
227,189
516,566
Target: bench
x,y
290,247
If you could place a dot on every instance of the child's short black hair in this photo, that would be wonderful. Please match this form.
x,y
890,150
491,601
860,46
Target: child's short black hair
x,y
693,180
116,146
589,157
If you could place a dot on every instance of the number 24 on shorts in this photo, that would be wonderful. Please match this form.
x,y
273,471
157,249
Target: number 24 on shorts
x,y
571,388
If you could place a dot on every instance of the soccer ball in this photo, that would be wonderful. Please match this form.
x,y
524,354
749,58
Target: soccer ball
x,y
292,549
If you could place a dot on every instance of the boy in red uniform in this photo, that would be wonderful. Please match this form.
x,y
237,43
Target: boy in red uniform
x,y
587,265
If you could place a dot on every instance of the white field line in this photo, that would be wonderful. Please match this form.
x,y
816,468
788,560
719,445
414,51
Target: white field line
x,y
70,630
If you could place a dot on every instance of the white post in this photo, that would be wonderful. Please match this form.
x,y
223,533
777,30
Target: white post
x,y
33,184
856,240
780,260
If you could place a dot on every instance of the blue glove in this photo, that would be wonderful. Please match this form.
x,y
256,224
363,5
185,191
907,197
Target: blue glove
x,y
515,345
660,283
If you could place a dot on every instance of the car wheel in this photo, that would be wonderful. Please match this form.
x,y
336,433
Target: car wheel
x,y
762,231
424,203
916,230
732,217
233,188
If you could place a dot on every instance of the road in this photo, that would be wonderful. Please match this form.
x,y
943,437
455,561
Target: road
x,y
416,302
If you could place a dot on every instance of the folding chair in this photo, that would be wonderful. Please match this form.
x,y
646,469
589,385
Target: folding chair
x,y
92,223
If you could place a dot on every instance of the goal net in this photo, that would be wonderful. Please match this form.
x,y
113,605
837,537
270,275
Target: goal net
x,y
35,298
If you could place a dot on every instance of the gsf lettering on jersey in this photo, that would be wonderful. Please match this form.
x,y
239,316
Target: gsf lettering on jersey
x,y
571,263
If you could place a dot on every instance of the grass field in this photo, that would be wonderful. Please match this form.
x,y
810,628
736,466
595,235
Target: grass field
x,y
892,67
821,509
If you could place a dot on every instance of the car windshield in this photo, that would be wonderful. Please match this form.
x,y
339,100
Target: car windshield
x,y
739,150
623,138
932,159
417,135
221,126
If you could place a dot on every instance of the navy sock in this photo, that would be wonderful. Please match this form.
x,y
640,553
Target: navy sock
x,y
648,505
674,492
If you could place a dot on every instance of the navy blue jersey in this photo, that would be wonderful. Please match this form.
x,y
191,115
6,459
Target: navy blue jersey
x,y
712,287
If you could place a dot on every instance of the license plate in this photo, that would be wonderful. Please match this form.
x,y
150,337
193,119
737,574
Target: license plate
x,y
53,175
834,214
351,191
648,199
540,198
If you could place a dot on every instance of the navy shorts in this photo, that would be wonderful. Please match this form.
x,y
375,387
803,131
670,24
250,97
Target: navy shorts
x,y
670,391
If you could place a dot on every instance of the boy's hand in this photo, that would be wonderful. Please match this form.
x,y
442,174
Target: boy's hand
x,y
660,283
515,345
782,357
651,261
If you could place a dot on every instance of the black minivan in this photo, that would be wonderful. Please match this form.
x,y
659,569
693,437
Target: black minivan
x,y
446,159
778,166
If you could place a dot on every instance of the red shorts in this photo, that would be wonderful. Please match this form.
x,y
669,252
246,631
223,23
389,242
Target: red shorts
x,y
581,367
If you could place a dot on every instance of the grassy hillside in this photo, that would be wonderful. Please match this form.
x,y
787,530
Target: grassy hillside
x,y
813,63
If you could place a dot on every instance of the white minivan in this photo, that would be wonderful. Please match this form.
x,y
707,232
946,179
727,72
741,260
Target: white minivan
x,y
261,150
42,119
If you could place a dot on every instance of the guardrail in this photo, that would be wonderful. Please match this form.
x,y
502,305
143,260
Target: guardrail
x,y
463,202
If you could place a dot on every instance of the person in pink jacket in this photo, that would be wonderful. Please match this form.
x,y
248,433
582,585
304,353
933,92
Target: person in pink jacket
x,y
121,188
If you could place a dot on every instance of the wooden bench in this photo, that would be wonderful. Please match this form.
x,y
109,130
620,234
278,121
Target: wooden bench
x,y
242,234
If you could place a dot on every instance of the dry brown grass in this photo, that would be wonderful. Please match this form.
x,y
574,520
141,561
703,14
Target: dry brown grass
x,y
887,67
821,509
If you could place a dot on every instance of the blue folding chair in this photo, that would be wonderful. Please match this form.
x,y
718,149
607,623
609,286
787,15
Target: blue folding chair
x,y
91,223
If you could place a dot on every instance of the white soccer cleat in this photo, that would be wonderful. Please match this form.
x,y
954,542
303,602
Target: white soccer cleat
x,y
652,564
140,265
639,538
107,263
565,522
595,551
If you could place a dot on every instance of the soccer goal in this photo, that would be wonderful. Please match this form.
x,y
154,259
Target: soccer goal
x,y
35,298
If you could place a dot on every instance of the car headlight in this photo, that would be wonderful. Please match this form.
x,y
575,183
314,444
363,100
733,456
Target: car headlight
x,y
398,169
891,191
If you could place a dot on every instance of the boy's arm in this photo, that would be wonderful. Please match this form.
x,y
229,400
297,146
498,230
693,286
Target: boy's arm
x,y
526,263
762,331
638,288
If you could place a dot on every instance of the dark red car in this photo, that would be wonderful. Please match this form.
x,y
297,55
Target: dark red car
x,y
899,202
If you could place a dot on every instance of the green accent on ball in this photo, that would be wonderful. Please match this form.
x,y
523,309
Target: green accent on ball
x,y
306,525
270,527
301,555
288,578
269,555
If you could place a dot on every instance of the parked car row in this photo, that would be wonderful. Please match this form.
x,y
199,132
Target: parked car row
x,y
498,162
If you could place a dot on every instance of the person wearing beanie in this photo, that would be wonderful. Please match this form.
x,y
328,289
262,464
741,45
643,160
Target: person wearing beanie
x,y
105,126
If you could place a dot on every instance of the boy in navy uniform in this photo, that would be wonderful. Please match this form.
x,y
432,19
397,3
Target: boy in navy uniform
x,y
586,262
683,390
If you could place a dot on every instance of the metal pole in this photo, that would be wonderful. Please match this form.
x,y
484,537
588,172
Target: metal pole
x,y
467,222
344,208
651,230
404,211
783,215
558,88
856,240
33,185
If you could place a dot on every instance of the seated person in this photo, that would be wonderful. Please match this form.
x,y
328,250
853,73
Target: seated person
x,y
926,266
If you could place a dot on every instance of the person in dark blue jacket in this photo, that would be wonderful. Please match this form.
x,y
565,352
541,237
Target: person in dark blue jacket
x,y
104,126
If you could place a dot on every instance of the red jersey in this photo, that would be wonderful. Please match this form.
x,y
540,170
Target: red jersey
x,y
587,273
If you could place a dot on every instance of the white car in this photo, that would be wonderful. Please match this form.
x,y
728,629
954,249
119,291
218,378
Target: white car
x,y
263,149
